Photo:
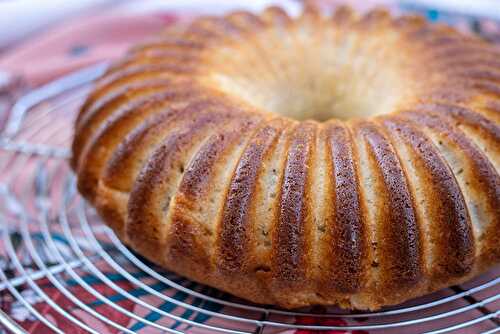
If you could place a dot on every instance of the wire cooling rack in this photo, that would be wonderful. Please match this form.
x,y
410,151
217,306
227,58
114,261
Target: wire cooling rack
x,y
63,271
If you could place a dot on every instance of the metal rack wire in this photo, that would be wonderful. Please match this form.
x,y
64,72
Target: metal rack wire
x,y
55,252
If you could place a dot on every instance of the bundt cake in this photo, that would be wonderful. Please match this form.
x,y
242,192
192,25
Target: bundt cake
x,y
296,160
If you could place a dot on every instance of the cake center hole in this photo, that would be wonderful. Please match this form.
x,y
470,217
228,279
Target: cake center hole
x,y
319,81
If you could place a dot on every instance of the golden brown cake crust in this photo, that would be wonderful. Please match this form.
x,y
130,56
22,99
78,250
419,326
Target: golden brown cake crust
x,y
319,159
